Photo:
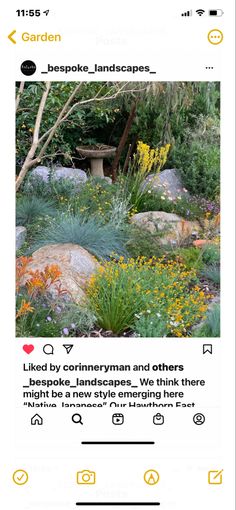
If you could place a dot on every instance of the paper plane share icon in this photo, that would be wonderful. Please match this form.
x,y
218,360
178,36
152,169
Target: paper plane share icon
x,y
68,347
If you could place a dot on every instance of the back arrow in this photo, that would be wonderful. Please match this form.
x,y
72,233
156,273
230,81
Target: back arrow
x,y
11,38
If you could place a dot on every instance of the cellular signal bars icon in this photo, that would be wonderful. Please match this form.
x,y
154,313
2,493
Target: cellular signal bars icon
x,y
187,13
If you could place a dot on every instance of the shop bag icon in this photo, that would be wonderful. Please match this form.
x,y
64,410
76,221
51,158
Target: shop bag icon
x,y
158,419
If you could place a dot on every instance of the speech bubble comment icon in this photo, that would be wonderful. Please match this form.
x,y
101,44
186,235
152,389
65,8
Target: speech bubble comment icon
x,y
48,349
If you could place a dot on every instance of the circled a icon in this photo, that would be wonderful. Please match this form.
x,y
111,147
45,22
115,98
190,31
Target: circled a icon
x,y
151,477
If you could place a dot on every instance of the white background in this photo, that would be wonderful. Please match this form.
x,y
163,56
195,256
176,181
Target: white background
x,y
143,33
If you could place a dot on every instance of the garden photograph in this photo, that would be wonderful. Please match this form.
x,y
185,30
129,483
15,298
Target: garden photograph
x,y
118,209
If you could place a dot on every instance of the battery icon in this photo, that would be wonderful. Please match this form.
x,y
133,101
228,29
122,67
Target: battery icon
x,y
216,12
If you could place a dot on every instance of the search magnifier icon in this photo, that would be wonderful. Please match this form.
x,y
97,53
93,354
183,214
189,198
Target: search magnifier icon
x,y
48,349
77,418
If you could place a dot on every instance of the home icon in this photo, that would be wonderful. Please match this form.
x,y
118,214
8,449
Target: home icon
x,y
36,420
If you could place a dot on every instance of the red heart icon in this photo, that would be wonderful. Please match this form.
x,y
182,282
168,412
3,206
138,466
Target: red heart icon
x,y
28,348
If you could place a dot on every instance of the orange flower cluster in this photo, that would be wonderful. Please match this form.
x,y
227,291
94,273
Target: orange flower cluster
x,y
37,283
24,309
40,281
21,270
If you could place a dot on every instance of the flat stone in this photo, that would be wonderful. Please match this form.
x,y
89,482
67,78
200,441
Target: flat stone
x,y
20,236
173,228
168,181
75,263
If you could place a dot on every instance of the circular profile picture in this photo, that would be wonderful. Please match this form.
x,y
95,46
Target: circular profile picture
x,y
199,419
28,67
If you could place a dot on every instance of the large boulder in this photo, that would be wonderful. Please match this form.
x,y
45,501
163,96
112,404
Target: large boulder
x,y
168,181
20,236
42,172
75,263
170,228
75,175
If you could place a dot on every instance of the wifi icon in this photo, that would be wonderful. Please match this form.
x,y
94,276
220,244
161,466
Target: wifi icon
x,y
200,12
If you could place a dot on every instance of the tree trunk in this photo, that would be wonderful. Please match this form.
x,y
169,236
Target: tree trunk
x,y
123,140
29,161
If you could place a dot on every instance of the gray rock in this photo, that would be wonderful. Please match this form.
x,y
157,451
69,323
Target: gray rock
x,y
108,179
42,172
168,181
20,236
73,174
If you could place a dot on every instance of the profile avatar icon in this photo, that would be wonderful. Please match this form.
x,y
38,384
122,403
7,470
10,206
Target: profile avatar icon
x,y
28,67
199,419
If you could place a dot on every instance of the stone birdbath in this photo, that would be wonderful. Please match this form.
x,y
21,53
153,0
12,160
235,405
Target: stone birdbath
x,y
96,154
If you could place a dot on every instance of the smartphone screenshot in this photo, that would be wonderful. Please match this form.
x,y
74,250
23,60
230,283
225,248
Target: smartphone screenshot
x,y
117,255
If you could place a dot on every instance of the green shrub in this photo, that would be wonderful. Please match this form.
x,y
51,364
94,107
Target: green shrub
x,y
212,273
191,257
76,318
30,208
211,254
42,322
100,240
62,188
201,169
185,206
51,189
152,200
198,157
143,243
95,198
150,326
120,292
211,326
188,207
36,185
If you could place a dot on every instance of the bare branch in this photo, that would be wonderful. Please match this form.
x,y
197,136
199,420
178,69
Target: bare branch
x,y
40,113
18,97
29,161
95,99
58,121
102,98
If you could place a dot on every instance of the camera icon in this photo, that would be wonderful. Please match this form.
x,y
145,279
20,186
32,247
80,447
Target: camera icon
x,y
86,477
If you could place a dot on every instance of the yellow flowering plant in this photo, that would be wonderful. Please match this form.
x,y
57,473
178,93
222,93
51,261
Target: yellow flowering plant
x,y
145,161
122,292
150,160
